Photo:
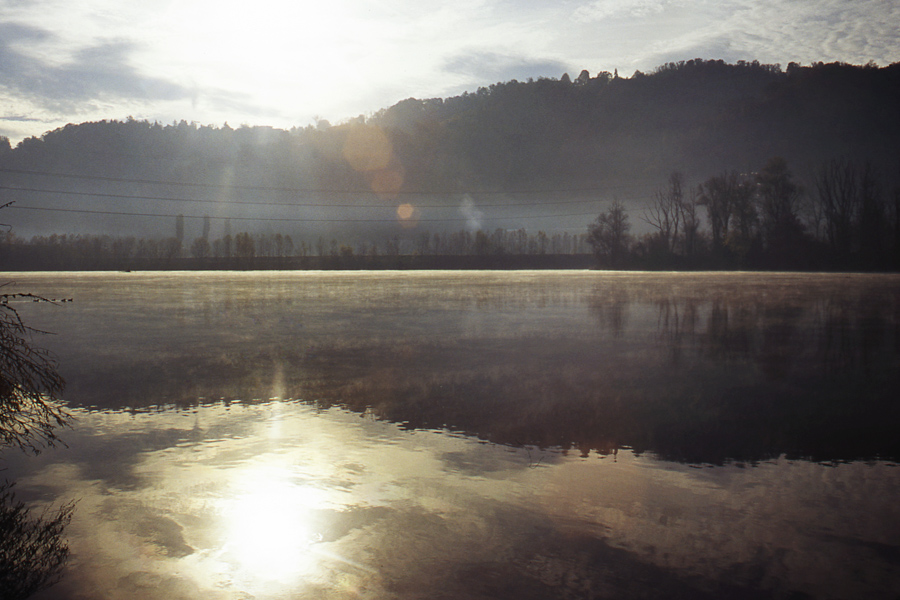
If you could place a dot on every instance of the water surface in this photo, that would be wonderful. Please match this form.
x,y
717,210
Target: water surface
x,y
478,434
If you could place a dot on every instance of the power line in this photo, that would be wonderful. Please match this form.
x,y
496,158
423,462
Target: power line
x,y
221,186
297,219
273,203
289,204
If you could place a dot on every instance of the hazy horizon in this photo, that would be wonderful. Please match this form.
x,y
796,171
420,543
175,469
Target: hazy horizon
x,y
285,65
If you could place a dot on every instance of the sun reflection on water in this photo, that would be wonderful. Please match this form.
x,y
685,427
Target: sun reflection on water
x,y
271,526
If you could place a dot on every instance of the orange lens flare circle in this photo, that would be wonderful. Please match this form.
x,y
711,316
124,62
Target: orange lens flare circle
x,y
367,148
386,183
406,212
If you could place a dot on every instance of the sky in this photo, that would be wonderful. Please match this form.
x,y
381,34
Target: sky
x,y
289,63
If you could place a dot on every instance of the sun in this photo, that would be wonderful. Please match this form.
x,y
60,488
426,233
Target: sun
x,y
266,49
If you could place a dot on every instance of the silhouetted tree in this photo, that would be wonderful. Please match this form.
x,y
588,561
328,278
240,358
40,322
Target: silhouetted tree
x,y
200,248
608,236
123,249
779,201
30,406
170,249
278,245
244,246
690,218
541,240
744,217
482,243
895,228
717,195
226,247
837,195
872,218
179,230
665,214
32,549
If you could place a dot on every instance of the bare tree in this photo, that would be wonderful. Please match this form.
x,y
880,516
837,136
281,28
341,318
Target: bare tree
x,y
30,386
744,216
200,248
716,195
779,201
665,213
32,549
244,246
872,216
837,190
179,229
608,235
894,218
690,219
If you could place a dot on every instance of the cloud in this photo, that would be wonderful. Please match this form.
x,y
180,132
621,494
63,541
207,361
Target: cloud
x,y
609,9
198,60
491,67
781,31
19,32
95,72
19,119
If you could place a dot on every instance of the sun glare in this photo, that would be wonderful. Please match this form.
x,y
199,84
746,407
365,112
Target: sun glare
x,y
271,527
268,49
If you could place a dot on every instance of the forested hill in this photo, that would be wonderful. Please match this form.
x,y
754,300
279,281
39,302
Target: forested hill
x,y
510,155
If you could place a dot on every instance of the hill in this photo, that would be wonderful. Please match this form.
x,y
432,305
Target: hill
x,y
546,154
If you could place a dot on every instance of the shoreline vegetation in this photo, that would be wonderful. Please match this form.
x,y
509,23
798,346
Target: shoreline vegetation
x,y
408,263
313,263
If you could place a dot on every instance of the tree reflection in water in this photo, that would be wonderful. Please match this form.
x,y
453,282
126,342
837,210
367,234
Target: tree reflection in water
x,y
701,368
741,375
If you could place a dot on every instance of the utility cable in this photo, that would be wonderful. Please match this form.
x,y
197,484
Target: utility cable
x,y
412,219
272,203
591,189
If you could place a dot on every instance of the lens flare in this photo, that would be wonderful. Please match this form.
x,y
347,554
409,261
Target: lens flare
x,y
386,183
367,148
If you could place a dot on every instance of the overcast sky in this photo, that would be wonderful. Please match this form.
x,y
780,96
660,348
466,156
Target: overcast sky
x,y
288,62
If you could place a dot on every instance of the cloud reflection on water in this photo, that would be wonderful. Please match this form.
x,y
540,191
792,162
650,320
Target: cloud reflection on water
x,y
335,504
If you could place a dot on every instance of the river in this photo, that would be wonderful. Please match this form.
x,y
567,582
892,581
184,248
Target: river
x,y
527,434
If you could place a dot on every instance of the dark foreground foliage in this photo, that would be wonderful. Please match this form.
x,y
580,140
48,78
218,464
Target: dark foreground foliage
x,y
32,550
30,407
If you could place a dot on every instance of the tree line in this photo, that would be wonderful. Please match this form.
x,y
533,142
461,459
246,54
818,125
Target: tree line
x,y
848,219
246,250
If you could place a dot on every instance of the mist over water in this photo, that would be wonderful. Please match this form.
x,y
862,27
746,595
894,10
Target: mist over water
x,y
323,434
